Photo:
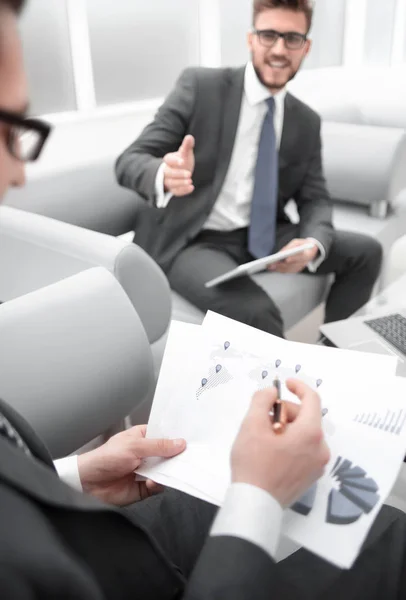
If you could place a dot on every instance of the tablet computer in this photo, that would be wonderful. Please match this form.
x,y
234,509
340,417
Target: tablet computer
x,y
256,266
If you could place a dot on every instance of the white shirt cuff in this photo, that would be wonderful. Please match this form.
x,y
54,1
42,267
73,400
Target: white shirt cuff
x,y
251,514
161,198
314,264
68,471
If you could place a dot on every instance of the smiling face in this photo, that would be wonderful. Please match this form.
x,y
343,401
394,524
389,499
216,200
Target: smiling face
x,y
277,65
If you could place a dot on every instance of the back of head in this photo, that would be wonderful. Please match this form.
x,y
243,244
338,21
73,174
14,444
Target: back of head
x,y
15,6
13,90
304,6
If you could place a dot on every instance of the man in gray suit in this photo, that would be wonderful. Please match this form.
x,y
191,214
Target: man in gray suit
x,y
226,152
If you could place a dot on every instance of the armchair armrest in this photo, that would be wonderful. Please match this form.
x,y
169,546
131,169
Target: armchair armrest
x,y
75,359
37,251
396,266
364,164
86,195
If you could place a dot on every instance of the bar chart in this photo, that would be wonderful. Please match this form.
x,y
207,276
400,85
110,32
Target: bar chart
x,y
392,422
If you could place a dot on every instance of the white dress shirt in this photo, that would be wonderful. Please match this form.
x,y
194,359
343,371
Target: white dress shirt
x,y
232,209
248,512
68,470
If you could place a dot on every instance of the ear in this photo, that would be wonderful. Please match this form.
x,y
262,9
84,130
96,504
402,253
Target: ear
x,y
250,40
308,47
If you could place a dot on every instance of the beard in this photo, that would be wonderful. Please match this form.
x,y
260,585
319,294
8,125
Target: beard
x,y
275,85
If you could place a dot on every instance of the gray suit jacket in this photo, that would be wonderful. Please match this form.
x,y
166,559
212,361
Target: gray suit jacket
x,y
206,103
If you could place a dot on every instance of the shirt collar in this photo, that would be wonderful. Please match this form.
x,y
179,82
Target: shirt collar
x,y
256,92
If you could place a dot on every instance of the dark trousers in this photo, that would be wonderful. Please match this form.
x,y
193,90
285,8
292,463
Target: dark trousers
x,y
354,259
180,524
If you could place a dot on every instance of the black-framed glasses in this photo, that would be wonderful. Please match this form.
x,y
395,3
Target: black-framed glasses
x,y
26,137
292,39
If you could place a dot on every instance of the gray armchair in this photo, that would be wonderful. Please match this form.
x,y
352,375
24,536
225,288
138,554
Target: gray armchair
x,y
75,359
37,251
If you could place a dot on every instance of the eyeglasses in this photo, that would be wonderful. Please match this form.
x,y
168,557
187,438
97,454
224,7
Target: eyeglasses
x,y
269,37
26,137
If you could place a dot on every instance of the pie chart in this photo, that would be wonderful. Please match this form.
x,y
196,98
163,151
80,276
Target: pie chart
x,y
357,494
353,495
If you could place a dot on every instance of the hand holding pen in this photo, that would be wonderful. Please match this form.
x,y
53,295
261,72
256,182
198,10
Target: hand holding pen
x,y
280,415
280,412
285,465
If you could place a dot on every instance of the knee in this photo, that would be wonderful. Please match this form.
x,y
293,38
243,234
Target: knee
x,y
263,315
373,253
375,250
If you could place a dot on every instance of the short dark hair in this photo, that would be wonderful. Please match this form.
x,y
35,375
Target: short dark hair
x,y
304,6
15,5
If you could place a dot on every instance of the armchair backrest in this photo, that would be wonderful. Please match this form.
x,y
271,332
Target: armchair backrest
x,y
75,359
37,251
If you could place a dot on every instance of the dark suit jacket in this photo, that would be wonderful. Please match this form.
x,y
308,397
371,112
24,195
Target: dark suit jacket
x,y
56,543
206,103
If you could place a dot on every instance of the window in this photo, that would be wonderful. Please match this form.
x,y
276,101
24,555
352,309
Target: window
x,y
380,24
327,34
45,35
139,48
236,20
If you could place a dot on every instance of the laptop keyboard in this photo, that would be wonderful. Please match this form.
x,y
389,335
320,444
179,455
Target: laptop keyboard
x,y
392,328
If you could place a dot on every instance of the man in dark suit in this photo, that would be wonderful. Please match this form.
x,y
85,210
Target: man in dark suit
x,y
58,543
216,186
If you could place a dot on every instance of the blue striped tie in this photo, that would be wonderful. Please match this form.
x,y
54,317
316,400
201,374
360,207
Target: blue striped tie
x,y
262,230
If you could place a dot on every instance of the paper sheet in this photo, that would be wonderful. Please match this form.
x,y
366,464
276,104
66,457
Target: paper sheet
x,y
208,377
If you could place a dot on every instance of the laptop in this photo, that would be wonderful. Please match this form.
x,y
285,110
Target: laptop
x,y
380,334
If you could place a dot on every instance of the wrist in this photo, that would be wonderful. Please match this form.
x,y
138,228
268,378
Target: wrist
x,y
272,490
315,252
86,468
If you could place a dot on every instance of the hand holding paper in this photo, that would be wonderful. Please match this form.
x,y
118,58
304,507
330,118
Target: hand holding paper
x,y
107,472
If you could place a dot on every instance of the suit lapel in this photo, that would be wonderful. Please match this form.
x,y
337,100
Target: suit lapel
x,y
35,445
33,478
232,100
